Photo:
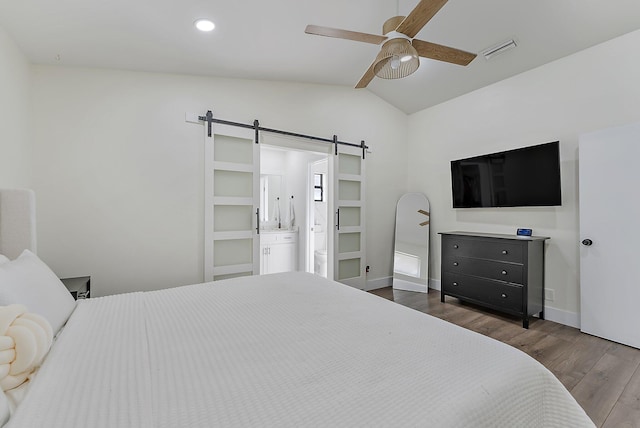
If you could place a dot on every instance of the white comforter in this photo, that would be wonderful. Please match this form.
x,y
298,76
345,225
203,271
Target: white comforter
x,y
283,350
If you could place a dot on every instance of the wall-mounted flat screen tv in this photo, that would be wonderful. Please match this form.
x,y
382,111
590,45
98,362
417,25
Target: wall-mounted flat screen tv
x,y
525,177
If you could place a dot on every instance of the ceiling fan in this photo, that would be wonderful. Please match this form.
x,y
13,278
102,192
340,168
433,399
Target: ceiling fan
x,y
399,54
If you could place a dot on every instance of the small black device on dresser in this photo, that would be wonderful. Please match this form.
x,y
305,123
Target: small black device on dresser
x,y
501,272
79,287
524,232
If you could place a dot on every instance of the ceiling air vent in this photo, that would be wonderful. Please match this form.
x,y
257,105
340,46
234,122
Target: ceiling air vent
x,y
498,49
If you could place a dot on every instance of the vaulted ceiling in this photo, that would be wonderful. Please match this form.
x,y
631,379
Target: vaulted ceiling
x,y
266,40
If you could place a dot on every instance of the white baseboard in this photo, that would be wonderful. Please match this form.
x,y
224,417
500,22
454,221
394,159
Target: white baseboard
x,y
571,319
374,284
400,284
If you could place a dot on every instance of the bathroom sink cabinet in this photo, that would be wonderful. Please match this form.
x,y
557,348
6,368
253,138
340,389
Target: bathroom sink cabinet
x,y
278,251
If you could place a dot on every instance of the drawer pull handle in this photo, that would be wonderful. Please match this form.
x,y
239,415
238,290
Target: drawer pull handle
x,y
455,284
504,296
505,252
455,263
455,246
504,272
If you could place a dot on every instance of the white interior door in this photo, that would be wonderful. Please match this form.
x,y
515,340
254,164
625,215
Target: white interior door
x,y
349,265
232,198
609,207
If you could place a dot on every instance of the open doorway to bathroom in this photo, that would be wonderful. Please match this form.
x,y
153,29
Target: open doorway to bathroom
x,y
318,213
291,208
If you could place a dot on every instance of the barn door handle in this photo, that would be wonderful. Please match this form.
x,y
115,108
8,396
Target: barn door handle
x,y
258,221
338,219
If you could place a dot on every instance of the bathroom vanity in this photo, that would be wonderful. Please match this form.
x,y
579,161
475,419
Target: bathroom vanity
x,y
278,251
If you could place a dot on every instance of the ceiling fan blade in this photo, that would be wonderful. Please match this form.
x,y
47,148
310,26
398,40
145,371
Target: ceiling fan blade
x,y
367,77
442,53
345,34
419,16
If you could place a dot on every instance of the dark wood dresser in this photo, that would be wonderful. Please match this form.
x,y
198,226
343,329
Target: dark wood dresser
x,y
501,272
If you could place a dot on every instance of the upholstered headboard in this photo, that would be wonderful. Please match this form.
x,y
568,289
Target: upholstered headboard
x,y
17,221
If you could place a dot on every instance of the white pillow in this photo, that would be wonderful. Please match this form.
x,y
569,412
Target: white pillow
x,y
3,259
28,281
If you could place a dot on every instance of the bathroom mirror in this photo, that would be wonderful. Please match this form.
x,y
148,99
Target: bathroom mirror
x,y
411,251
270,190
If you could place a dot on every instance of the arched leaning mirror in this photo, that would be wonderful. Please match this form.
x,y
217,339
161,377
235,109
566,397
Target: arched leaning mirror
x,y
411,251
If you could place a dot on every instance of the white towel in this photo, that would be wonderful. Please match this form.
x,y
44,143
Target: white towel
x,y
292,213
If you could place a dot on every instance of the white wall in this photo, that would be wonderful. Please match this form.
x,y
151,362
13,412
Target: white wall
x,y
272,160
14,115
593,89
119,173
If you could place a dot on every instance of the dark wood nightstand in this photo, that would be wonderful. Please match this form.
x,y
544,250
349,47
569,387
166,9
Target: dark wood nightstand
x,y
79,287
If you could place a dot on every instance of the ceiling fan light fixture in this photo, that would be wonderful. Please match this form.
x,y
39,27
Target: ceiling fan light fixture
x,y
397,59
394,62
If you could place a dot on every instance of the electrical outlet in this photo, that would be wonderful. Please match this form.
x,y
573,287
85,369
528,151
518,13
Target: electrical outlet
x,y
549,294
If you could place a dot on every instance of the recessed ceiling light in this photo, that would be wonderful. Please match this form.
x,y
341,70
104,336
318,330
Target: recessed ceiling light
x,y
204,25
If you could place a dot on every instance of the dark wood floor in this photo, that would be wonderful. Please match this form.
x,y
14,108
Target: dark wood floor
x,y
603,376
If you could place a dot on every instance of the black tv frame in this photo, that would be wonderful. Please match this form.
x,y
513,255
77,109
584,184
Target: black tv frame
x,y
480,185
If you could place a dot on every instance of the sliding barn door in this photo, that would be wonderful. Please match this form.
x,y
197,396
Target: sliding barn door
x,y
232,174
349,204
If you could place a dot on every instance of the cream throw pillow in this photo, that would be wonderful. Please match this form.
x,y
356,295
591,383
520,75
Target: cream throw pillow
x,y
25,339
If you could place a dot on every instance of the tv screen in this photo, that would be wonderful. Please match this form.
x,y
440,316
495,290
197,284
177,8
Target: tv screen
x,y
529,176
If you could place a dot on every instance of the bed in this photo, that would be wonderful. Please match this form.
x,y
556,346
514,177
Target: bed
x,y
281,350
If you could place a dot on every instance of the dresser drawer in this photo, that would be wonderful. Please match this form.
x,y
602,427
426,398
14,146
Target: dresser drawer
x,y
494,249
509,272
495,294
